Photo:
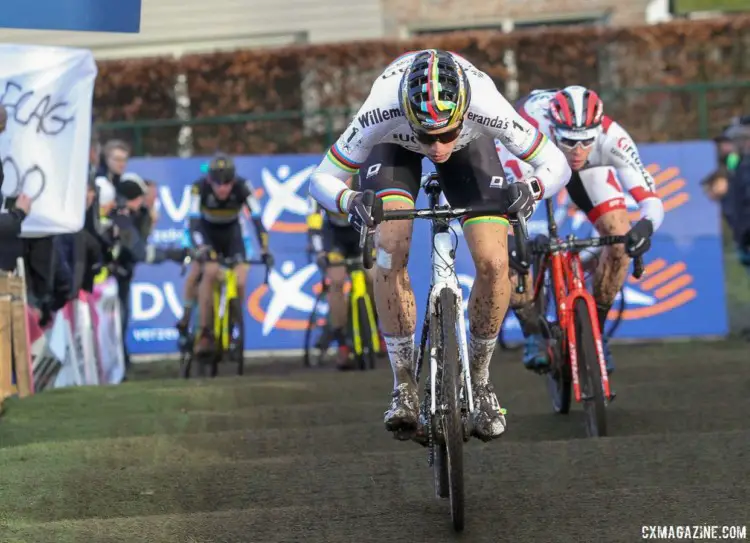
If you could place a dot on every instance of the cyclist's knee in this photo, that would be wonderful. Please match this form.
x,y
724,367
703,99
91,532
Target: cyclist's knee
x,y
210,272
492,269
194,274
336,279
393,249
240,273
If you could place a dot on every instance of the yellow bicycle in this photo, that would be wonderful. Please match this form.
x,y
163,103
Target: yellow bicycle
x,y
362,321
228,324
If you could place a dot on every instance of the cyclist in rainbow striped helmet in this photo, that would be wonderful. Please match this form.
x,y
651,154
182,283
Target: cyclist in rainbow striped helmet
x,y
438,105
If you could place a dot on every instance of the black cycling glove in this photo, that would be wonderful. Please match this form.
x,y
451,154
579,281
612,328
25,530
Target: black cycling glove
x,y
519,201
639,238
358,215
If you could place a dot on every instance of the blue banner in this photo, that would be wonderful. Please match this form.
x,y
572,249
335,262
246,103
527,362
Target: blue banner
x,y
82,15
682,293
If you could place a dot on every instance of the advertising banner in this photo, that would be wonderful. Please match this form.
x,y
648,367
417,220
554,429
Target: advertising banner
x,y
682,293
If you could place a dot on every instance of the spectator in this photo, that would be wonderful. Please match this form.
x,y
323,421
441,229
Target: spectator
x,y
146,216
131,245
10,223
116,154
737,198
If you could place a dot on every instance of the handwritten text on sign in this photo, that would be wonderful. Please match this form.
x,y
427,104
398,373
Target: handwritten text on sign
x,y
47,93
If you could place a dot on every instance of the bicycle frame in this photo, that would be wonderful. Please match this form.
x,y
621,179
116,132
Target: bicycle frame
x,y
567,286
225,290
359,291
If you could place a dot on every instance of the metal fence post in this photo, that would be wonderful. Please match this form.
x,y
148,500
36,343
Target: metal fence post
x,y
702,113
138,137
329,128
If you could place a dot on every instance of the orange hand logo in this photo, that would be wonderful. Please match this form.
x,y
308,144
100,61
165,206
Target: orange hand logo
x,y
669,188
667,285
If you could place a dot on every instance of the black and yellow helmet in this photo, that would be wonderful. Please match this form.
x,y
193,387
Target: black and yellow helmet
x,y
221,169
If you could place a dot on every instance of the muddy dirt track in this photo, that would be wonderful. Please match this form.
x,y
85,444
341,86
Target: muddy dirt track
x,y
301,456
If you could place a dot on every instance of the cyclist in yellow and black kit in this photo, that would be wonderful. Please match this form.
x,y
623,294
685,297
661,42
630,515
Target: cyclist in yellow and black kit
x,y
332,238
214,228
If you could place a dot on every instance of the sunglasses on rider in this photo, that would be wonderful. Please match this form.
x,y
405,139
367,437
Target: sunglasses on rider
x,y
572,144
220,178
444,137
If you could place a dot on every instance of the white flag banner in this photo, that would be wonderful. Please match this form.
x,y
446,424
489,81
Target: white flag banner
x,y
47,92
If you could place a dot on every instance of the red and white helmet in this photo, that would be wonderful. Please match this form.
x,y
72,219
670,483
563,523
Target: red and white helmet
x,y
576,113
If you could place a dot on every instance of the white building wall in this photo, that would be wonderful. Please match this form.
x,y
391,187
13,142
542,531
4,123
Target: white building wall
x,y
174,27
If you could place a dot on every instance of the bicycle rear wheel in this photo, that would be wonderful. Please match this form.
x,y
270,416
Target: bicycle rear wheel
x,y
449,460
312,325
186,363
237,335
589,373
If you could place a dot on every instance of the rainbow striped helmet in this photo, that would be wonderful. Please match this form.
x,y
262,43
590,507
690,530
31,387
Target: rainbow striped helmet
x,y
434,90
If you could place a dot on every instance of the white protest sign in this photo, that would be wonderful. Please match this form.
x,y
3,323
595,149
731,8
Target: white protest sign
x,y
47,92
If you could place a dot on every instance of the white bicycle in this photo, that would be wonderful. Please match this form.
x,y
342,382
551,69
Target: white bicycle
x,y
445,421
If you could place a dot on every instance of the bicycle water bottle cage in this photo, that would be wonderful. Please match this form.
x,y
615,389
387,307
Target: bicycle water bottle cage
x,y
431,183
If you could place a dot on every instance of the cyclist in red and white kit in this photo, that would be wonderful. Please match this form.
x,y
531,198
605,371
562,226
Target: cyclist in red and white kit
x,y
605,164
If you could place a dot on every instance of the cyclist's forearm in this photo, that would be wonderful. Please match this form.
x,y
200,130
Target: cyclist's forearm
x,y
329,189
551,168
191,237
261,233
653,210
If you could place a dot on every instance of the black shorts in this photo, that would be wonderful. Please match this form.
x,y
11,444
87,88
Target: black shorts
x,y
343,240
473,175
225,239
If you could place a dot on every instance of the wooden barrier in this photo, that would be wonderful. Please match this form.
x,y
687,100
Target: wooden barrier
x,y
15,361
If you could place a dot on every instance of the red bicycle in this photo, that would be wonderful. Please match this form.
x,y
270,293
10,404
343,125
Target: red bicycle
x,y
574,338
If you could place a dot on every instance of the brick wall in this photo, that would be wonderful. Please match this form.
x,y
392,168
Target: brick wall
x,y
402,15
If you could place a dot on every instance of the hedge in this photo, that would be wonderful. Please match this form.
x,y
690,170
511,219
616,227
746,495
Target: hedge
x,y
310,79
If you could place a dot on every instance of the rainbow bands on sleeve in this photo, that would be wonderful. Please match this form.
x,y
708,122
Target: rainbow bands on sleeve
x,y
340,161
533,150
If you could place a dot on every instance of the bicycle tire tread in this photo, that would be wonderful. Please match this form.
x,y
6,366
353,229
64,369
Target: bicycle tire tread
x,y
453,427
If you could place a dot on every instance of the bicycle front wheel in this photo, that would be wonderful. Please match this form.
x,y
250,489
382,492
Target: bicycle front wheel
x,y
312,326
449,460
589,373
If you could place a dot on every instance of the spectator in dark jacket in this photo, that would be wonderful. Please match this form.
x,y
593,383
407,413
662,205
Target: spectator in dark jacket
x,y
115,154
131,245
10,222
736,202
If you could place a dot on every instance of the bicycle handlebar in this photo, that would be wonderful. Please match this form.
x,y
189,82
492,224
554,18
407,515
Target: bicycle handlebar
x,y
577,245
226,262
520,231
366,240
347,262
